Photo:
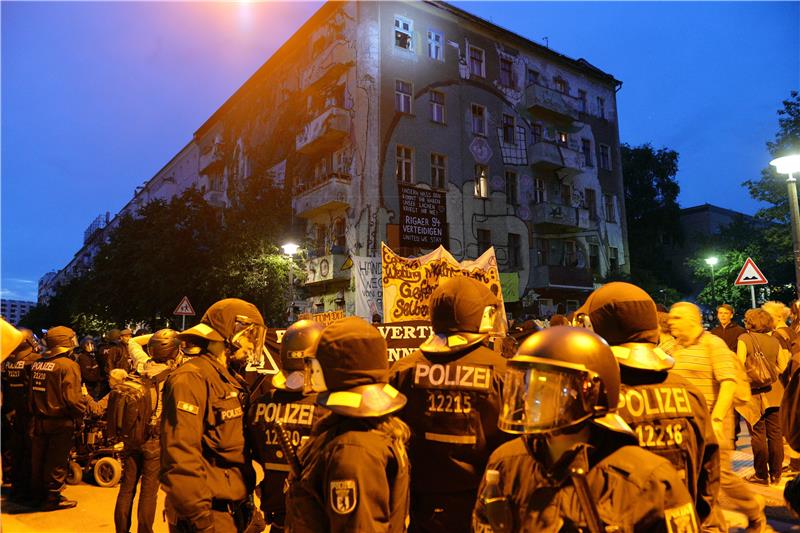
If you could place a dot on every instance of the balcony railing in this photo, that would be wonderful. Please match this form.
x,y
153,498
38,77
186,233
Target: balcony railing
x,y
326,269
328,65
560,216
327,194
558,276
324,132
548,155
544,99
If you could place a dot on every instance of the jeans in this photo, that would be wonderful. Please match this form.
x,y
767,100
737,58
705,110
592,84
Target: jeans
x,y
52,441
766,438
143,464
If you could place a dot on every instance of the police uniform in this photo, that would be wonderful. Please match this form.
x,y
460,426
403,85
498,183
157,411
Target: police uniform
x,y
92,373
17,416
354,470
55,399
453,384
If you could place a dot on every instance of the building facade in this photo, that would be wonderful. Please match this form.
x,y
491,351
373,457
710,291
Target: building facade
x,y
418,124
13,310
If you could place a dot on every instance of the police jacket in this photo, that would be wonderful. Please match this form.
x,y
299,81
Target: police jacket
x,y
55,390
452,410
354,478
16,378
203,452
632,489
297,413
670,418
91,371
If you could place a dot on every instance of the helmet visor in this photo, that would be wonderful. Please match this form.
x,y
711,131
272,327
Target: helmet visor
x,y
313,378
541,398
248,339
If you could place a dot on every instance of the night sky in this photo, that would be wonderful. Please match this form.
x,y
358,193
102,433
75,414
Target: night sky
x,y
97,97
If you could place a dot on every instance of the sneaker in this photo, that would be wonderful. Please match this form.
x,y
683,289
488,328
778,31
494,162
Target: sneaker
x,y
57,505
753,478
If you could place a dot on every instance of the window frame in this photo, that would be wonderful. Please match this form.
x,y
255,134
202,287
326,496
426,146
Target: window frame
x,y
438,171
400,97
583,98
510,73
484,121
509,128
601,107
561,85
404,164
481,188
591,206
482,73
409,33
605,161
433,105
586,150
434,45
610,207
539,192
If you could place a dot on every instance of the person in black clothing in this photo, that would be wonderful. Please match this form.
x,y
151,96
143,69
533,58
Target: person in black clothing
x,y
16,378
56,402
206,469
728,330
92,374
453,384
288,405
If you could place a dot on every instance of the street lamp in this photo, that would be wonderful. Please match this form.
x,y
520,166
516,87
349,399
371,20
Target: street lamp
x,y
712,262
790,165
290,249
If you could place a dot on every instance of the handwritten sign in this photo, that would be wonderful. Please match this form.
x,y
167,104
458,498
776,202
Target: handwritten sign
x,y
423,217
326,319
409,282
368,288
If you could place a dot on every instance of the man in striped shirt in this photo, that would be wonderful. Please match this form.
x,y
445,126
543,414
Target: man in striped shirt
x,y
707,362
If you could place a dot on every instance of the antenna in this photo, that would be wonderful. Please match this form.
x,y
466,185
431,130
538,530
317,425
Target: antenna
x,y
546,40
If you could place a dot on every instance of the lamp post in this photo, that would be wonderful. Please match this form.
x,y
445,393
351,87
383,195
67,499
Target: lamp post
x,y
290,249
712,261
790,165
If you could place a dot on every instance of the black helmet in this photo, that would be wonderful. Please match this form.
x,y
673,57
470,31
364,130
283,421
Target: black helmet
x,y
559,378
28,342
627,318
298,342
164,345
237,323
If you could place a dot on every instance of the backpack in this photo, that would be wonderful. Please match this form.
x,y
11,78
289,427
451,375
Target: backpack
x,y
131,406
760,370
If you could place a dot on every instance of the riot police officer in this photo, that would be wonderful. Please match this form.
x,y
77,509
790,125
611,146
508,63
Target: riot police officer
x,y
16,378
453,384
288,408
576,466
56,401
354,468
667,413
92,373
206,469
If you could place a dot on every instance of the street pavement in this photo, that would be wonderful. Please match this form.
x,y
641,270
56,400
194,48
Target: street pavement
x,y
95,510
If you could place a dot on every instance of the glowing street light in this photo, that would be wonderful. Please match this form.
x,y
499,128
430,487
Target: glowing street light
x,y
790,165
712,262
290,248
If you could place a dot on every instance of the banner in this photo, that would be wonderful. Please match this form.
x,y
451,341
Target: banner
x,y
326,319
368,288
409,283
423,217
510,283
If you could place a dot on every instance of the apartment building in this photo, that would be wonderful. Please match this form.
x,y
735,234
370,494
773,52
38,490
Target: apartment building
x,y
14,310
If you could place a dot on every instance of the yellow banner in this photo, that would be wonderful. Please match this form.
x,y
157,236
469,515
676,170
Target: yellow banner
x,y
408,283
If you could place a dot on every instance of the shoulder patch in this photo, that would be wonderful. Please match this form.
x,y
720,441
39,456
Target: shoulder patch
x,y
188,407
681,519
344,495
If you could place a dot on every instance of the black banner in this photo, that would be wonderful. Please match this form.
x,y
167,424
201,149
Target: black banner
x,y
423,217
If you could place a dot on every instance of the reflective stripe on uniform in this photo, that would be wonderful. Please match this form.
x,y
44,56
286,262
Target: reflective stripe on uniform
x,y
280,467
453,439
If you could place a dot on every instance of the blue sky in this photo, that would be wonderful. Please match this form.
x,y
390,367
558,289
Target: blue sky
x,y
97,97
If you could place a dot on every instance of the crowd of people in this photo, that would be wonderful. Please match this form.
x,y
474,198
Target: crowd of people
x,y
621,417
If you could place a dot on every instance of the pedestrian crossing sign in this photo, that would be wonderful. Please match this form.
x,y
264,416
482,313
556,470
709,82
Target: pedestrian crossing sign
x,y
184,308
750,274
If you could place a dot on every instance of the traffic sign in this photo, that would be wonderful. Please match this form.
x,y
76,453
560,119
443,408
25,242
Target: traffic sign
x,y
750,274
184,308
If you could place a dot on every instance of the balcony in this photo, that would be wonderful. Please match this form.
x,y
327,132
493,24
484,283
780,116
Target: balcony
x,y
324,132
216,198
551,216
211,160
547,102
325,269
327,194
563,277
328,65
548,156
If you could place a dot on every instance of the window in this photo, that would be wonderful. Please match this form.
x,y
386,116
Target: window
x,y
405,164
608,206
531,77
484,240
601,107
481,181
477,62
613,258
511,187
582,99
402,96
566,194
539,195
563,138
591,203
561,85
506,72
437,106
403,28
594,258
605,157
438,171
435,48
514,251
509,130
478,119
338,234
570,253
538,133
586,148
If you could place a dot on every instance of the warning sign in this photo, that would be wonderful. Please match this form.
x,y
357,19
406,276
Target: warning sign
x,y
184,308
750,274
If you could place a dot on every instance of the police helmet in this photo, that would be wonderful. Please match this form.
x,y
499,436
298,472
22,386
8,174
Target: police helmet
x,y
354,364
164,345
29,342
235,322
627,318
298,342
463,312
86,341
60,339
560,378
